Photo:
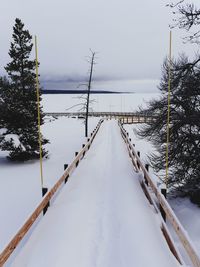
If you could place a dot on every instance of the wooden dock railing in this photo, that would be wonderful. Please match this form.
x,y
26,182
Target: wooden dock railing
x,y
124,117
46,199
170,215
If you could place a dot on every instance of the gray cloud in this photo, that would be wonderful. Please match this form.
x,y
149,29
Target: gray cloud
x,y
131,37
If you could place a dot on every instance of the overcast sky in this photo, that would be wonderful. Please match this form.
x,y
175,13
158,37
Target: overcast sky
x,y
131,37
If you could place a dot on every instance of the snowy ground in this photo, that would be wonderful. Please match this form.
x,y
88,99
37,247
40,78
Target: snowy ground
x,y
20,189
187,212
20,185
189,216
101,217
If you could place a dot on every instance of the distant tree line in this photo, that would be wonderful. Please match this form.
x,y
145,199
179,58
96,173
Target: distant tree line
x,y
184,128
18,100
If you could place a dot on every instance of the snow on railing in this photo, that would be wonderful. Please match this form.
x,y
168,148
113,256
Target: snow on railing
x,y
125,117
170,215
46,199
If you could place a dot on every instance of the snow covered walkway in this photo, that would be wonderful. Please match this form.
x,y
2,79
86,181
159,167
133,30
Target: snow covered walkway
x,y
101,217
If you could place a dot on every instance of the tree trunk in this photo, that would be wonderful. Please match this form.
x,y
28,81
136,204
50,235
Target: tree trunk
x,y
88,94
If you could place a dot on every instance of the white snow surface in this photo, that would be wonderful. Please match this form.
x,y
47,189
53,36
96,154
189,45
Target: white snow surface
x,y
3,131
101,217
189,215
20,190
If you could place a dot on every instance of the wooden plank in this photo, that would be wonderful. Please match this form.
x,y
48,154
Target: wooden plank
x,y
146,192
181,233
132,157
24,229
164,229
170,243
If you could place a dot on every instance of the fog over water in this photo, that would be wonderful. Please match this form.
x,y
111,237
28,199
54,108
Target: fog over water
x,y
131,38
139,86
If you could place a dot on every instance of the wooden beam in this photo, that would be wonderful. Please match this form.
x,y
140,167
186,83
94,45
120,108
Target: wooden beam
x,y
163,226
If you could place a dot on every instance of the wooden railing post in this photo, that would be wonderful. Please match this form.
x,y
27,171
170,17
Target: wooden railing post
x,y
88,141
65,167
44,191
138,164
145,178
83,145
76,153
164,192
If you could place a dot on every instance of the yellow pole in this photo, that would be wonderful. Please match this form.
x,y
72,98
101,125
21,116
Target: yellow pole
x,y
38,109
168,109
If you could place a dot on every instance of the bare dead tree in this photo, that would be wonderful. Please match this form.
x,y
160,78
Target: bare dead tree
x,y
85,100
92,63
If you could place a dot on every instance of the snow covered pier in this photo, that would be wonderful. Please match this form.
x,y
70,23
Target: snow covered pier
x,y
124,117
102,217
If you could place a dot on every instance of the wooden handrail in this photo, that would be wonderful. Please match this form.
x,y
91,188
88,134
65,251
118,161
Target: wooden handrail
x,y
181,233
101,113
30,221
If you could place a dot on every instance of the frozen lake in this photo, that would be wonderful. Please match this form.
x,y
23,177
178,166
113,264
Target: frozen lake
x,y
102,102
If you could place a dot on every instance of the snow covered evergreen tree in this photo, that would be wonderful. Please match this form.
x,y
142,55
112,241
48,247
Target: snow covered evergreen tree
x,y
1,103
19,100
184,147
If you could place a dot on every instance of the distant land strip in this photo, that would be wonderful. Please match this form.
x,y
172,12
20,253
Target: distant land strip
x,y
48,91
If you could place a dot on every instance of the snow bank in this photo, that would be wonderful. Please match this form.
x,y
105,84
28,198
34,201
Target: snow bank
x,y
20,189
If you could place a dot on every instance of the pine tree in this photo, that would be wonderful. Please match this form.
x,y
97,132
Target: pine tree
x,y
2,84
19,99
184,146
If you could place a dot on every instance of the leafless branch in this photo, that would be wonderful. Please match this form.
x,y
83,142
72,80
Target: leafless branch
x,y
74,106
187,18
